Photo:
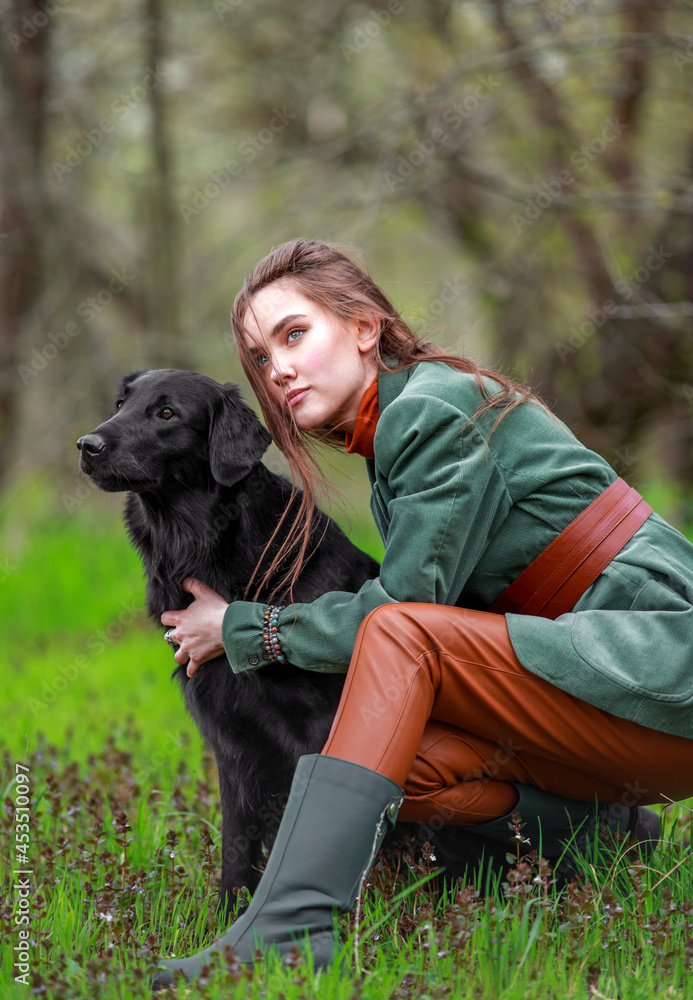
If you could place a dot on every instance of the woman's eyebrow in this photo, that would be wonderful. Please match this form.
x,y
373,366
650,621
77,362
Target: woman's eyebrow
x,y
278,327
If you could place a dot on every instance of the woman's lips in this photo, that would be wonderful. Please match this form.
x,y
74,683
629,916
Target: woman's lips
x,y
298,397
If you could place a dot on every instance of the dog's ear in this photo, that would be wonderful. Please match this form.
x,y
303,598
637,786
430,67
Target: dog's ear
x,y
237,439
127,379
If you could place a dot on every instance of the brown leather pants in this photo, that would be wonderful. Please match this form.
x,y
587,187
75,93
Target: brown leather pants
x,y
436,699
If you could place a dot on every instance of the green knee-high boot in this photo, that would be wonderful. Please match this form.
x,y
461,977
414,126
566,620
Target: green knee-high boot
x,y
551,821
332,828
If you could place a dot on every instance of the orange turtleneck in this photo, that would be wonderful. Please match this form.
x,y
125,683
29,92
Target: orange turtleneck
x,y
361,439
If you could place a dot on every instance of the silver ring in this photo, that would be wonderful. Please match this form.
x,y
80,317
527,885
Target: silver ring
x,y
167,637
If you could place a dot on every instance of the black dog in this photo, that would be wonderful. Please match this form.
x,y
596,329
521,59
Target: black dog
x,y
202,504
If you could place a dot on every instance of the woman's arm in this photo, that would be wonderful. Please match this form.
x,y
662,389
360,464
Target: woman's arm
x,y
446,499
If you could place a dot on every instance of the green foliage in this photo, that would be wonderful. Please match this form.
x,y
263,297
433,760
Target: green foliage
x,y
504,191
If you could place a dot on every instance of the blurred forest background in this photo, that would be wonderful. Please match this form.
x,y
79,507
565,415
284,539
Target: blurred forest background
x,y
517,174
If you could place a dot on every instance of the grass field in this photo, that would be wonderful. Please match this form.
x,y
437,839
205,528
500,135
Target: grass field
x,y
125,822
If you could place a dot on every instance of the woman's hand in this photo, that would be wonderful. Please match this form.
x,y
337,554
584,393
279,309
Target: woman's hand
x,y
197,628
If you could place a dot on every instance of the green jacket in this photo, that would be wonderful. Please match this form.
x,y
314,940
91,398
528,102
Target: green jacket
x,y
462,513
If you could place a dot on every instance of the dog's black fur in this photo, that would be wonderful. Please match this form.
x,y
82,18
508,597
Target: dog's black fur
x,y
202,504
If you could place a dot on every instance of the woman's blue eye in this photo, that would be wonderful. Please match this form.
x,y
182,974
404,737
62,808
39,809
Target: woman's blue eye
x,y
261,359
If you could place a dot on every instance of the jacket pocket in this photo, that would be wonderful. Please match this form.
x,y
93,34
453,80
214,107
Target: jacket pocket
x,y
647,650
654,596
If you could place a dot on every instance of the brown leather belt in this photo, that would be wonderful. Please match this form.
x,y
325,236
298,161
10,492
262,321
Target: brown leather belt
x,y
562,572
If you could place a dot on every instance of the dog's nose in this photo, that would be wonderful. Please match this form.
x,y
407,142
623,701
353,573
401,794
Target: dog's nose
x,y
91,444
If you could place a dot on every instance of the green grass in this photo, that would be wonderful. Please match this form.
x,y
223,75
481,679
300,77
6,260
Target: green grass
x,y
119,780
125,872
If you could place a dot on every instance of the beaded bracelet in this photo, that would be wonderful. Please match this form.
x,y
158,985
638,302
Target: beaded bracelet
x,y
270,634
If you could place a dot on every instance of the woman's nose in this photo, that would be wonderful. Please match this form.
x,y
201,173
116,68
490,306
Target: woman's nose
x,y
280,373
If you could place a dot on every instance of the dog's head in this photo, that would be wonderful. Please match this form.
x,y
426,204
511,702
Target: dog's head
x,y
173,428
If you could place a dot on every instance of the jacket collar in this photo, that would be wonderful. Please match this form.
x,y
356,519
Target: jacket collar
x,y
390,384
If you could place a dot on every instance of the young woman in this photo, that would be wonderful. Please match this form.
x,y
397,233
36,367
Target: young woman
x,y
573,707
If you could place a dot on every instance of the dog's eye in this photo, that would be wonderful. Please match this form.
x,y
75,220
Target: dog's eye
x,y
118,403
166,413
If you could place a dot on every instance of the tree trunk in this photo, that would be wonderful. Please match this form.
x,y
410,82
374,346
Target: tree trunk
x,y
24,71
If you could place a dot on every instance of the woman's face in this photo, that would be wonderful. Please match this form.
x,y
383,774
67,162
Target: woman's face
x,y
312,361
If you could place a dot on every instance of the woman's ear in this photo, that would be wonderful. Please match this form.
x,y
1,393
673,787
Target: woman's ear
x,y
368,333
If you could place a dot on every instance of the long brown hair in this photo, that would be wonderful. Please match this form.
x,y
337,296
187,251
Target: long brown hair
x,y
329,278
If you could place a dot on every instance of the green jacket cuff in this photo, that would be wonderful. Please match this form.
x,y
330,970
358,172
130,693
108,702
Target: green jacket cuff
x,y
241,633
